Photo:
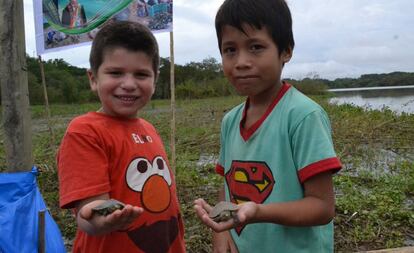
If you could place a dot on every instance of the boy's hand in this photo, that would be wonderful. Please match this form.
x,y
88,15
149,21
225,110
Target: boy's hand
x,y
117,221
245,214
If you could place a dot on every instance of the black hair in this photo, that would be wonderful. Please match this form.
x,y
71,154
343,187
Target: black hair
x,y
272,14
125,34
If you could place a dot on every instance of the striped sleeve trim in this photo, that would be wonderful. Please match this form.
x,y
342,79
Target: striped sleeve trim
x,y
220,170
318,167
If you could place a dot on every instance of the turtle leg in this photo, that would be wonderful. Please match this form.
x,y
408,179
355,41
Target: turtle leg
x,y
235,218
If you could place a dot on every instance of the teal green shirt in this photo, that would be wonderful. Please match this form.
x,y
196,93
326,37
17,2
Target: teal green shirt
x,y
269,162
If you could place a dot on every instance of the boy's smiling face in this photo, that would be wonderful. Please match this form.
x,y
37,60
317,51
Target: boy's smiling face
x,y
124,82
251,61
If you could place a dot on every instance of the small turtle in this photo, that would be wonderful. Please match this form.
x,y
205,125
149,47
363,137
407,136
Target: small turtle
x,y
108,207
223,211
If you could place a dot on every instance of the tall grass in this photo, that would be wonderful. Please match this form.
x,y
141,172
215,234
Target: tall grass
x,y
374,191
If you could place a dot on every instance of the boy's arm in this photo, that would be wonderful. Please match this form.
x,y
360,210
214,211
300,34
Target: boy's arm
x,y
99,225
316,208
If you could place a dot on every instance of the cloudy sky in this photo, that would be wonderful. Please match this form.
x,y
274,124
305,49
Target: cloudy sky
x,y
333,38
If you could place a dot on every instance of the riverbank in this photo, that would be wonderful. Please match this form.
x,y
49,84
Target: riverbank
x,y
374,191
396,250
399,99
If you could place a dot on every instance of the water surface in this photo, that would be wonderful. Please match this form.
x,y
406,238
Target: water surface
x,y
397,98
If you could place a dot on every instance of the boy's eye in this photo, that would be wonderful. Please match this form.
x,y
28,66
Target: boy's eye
x,y
256,47
115,73
142,75
229,50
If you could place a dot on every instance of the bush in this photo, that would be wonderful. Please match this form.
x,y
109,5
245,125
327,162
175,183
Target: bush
x,y
191,89
311,86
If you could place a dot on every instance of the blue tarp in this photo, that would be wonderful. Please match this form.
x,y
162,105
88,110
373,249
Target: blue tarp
x,y
20,203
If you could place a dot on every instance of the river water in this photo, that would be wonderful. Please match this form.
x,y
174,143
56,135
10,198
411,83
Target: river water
x,y
396,98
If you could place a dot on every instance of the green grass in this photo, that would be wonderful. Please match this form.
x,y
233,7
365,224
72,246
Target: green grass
x,y
374,191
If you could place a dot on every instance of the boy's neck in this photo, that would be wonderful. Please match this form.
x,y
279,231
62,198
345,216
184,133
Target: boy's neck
x,y
265,98
258,105
102,111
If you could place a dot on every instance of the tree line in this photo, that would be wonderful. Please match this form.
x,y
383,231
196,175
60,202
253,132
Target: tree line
x,y
372,80
69,84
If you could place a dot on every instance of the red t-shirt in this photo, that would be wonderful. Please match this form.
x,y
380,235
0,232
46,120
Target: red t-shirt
x,y
126,159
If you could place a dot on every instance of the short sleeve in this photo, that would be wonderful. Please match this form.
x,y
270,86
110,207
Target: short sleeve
x,y
312,145
82,168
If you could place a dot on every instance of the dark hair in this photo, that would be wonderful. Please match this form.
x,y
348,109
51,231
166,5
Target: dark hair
x,y
129,35
272,14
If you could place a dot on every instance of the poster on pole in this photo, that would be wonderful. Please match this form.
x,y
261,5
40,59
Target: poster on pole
x,y
61,24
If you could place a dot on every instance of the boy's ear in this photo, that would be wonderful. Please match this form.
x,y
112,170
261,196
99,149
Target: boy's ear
x,y
287,55
92,80
157,75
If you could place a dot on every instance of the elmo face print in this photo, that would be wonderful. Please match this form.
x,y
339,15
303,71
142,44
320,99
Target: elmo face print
x,y
151,181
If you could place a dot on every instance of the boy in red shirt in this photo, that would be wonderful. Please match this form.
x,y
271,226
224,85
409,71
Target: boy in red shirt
x,y
114,154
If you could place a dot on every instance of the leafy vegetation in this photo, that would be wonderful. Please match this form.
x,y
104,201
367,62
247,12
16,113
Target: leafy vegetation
x,y
374,191
68,84
371,80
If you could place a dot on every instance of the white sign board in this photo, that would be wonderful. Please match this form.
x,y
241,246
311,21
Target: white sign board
x,y
60,24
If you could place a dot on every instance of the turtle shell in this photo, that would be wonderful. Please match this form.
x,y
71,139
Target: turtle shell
x,y
222,206
108,207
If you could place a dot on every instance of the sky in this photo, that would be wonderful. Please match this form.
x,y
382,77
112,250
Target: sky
x,y
333,39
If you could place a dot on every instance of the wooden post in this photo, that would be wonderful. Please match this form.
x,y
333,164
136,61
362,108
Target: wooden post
x,y
49,123
41,230
172,86
14,90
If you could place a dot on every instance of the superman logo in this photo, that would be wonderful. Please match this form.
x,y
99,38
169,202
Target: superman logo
x,y
249,181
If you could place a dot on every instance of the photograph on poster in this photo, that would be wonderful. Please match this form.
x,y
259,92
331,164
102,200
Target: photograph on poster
x,y
61,24
156,15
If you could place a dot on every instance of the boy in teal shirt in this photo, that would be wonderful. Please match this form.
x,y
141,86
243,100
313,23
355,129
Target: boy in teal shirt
x,y
276,155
